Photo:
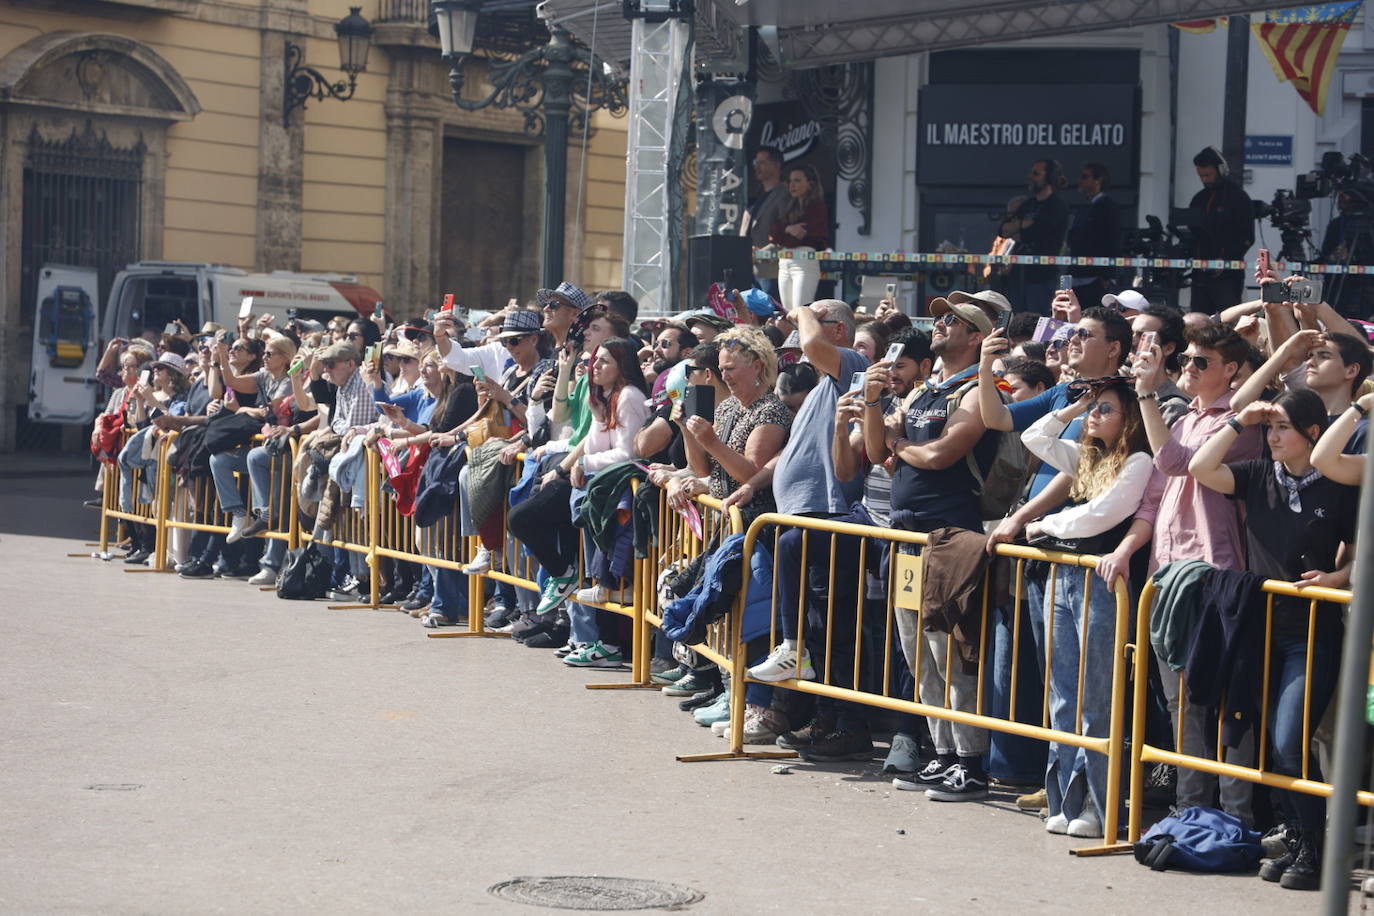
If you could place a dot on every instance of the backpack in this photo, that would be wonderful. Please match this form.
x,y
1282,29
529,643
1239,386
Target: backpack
x,y
191,459
1200,839
1006,477
306,576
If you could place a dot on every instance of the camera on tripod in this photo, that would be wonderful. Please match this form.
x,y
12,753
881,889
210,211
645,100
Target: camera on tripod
x,y
1334,174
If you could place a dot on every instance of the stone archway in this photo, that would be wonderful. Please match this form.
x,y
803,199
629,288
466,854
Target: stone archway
x,y
92,108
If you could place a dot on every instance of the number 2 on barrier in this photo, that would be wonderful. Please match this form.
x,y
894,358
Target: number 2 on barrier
x,y
907,592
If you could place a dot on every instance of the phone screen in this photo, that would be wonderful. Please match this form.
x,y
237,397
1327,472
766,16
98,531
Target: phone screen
x,y
246,307
478,373
894,352
170,328
856,381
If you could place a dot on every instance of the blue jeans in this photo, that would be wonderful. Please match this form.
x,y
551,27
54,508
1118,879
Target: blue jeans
x,y
450,593
1013,758
426,587
1288,661
265,473
222,468
131,459
1073,775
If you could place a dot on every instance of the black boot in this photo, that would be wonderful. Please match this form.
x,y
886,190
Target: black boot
x,y
1305,874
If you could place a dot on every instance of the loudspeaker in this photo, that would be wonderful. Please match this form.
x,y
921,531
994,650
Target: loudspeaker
x,y
708,256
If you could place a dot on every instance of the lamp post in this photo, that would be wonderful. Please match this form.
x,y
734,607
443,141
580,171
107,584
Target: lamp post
x,y
551,86
304,83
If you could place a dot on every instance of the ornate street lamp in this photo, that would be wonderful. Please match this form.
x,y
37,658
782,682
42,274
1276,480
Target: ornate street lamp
x,y
304,83
551,86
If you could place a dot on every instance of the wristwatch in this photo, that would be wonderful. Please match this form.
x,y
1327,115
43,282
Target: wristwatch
x,y
1355,406
1235,424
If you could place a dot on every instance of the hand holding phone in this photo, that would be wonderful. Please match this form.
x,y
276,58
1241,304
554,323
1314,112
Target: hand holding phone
x,y
448,303
894,353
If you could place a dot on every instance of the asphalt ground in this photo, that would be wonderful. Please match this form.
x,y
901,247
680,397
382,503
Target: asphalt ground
x,y
186,747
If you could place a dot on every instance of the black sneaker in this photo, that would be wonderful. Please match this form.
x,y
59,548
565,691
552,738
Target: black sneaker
x,y
961,784
1305,874
137,556
838,745
498,616
799,738
198,571
552,638
255,526
698,700
928,777
416,603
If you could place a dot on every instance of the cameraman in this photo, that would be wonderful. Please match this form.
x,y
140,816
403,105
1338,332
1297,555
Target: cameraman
x,y
1349,239
1226,231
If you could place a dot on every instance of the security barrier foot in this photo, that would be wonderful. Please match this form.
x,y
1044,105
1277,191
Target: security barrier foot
x,y
733,755
1107,849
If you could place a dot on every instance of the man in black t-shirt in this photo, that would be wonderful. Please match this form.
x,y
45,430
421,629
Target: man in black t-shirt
x,y
1226,231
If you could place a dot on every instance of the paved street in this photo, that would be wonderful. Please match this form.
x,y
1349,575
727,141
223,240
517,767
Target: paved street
x,y
177,746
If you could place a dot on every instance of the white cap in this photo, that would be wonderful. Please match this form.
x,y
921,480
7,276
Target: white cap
x,y
1128,300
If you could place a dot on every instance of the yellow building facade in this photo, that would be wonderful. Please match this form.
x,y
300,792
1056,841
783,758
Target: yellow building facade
x,y
165,117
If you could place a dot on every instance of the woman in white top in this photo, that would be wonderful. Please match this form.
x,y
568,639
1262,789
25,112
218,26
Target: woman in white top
x,y
1109,464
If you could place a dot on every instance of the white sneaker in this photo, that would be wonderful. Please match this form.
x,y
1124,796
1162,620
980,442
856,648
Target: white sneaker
x,y
236,528
482,562
1087,824
265,576
1057,823
720,729
595,594
782,664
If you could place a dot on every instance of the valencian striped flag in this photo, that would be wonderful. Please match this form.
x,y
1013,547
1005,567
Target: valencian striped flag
x,y
1302,45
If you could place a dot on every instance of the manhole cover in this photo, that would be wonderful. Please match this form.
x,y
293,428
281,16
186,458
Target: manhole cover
x,y
591,892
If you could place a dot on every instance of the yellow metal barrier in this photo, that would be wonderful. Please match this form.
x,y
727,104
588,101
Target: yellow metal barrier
x,y
1143,753
146,513
904,591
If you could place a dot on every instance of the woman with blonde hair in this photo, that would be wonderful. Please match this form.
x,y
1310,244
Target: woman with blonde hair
x,y
750,426
1110,464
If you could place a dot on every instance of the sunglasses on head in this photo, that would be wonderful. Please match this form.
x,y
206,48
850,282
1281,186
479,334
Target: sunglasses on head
x,y
1202,362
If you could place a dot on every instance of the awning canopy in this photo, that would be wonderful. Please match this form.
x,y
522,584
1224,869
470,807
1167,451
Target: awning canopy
x,y
813,33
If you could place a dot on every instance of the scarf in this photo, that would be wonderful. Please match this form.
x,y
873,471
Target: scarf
x,y
1294,485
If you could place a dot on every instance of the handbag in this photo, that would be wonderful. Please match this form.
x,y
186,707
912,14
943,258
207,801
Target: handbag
x,y
306,577
491,420
109,427
226,431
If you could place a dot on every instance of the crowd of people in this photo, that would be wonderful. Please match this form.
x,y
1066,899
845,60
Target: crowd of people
x,y
1204,452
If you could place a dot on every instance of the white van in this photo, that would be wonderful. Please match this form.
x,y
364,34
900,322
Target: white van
x,y
72,327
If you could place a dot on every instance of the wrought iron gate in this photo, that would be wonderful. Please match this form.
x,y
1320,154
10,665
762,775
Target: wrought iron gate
x,y
82,206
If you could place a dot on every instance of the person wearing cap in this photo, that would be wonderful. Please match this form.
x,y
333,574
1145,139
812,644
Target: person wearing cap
x,y
930,440
164,392
1128,302
404,359
706,325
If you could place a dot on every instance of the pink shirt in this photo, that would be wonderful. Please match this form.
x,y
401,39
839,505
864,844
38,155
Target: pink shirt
x,y
1198,523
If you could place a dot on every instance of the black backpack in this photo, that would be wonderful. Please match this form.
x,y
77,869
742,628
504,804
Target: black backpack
x,y
307,575
191,459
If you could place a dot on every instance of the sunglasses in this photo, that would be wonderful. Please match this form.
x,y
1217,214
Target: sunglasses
x,y
240,348
691,368
351,334
1202,362
949,320
411,334
1102,408
1081,334
407,359
515,341
662,344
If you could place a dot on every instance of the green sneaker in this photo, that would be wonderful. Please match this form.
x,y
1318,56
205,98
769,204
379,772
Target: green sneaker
x,y
693,682
556,591
670,676
596,655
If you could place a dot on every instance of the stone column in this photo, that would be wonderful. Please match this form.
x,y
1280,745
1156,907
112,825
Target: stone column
x,y
281,148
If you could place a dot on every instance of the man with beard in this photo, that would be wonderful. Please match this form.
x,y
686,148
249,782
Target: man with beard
x,y
1095,233
1038,225
673,344
930,439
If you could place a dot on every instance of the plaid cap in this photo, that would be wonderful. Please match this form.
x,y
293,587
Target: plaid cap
x,y
520,322
566,292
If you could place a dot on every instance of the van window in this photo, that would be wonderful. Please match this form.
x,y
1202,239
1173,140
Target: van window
x,y
149,304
